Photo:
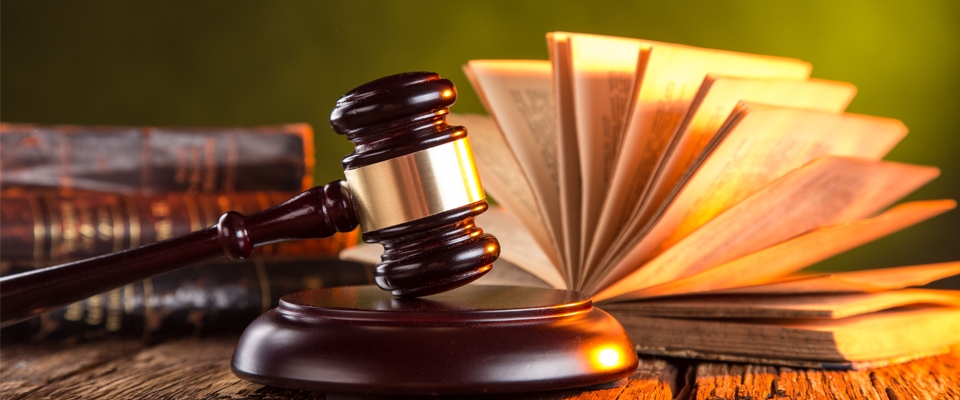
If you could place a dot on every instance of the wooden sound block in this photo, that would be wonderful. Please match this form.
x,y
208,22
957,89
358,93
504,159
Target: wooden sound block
x,y
475,339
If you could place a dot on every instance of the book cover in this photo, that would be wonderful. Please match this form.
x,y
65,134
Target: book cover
x,y
155,160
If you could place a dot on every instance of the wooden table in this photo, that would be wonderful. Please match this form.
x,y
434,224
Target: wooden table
x,y
199,369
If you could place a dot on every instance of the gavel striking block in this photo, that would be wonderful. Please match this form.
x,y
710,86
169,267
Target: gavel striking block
x,y
411,185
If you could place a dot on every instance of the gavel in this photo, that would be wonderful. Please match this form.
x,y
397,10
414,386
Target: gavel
x,y
411,185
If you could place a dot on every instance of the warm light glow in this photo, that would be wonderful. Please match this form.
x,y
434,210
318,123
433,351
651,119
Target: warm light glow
x,y
475,234
447,93
469,171
491,249
458,133
478,208
608,357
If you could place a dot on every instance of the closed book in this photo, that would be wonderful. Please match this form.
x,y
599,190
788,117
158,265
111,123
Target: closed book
x,y
210,298
151,160
50,227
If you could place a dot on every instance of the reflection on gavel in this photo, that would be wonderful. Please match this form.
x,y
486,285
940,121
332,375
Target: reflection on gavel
x,y
411,185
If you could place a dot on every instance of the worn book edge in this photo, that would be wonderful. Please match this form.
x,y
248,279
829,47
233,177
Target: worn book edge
x,y
850,365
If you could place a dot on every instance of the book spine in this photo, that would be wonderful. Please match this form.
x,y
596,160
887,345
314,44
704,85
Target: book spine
x,y
53,227
132,160
205,299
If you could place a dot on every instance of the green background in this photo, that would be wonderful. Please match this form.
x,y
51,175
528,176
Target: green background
x,y
221,63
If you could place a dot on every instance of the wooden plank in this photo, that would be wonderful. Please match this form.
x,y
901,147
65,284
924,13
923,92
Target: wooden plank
x,y
741,381
182,369
928,378
820,384
744,381
27,368
199,369
654,379
931,378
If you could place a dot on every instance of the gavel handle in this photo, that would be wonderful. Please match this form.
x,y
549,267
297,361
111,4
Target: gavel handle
x,y
316,213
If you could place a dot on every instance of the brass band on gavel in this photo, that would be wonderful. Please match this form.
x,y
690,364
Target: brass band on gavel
x,y
415,186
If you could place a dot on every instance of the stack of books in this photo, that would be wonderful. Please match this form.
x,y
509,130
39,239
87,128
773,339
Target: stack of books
x,y
73,192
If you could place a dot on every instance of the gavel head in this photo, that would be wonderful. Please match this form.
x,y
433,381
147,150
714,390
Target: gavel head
x,y
413,184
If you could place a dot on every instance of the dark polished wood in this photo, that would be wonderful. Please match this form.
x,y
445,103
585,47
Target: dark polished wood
x,y
476,339
392,117
434,254
315,213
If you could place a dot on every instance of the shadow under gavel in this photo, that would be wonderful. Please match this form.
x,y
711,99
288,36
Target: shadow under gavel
x,y
411,185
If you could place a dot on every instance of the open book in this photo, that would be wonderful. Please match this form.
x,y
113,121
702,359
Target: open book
x,y
684,188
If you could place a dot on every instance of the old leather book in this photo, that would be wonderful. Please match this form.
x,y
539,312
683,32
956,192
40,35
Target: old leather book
x,y
150,160
211,298
51,227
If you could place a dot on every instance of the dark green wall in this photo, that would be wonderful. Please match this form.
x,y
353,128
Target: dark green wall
x,y
266,62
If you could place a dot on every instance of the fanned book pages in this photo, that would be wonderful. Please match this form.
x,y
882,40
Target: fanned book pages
x,y
685,188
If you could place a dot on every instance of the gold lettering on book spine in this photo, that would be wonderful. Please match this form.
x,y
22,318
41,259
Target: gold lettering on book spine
x,y
415,186
134,224
94,310
74,312
129,302
114,310
71,231
54,228
164,224
152,319
118,226
86,227
105,226
39,230
192,212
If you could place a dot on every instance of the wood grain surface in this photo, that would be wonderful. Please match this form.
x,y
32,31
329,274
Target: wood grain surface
x,y
199,369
